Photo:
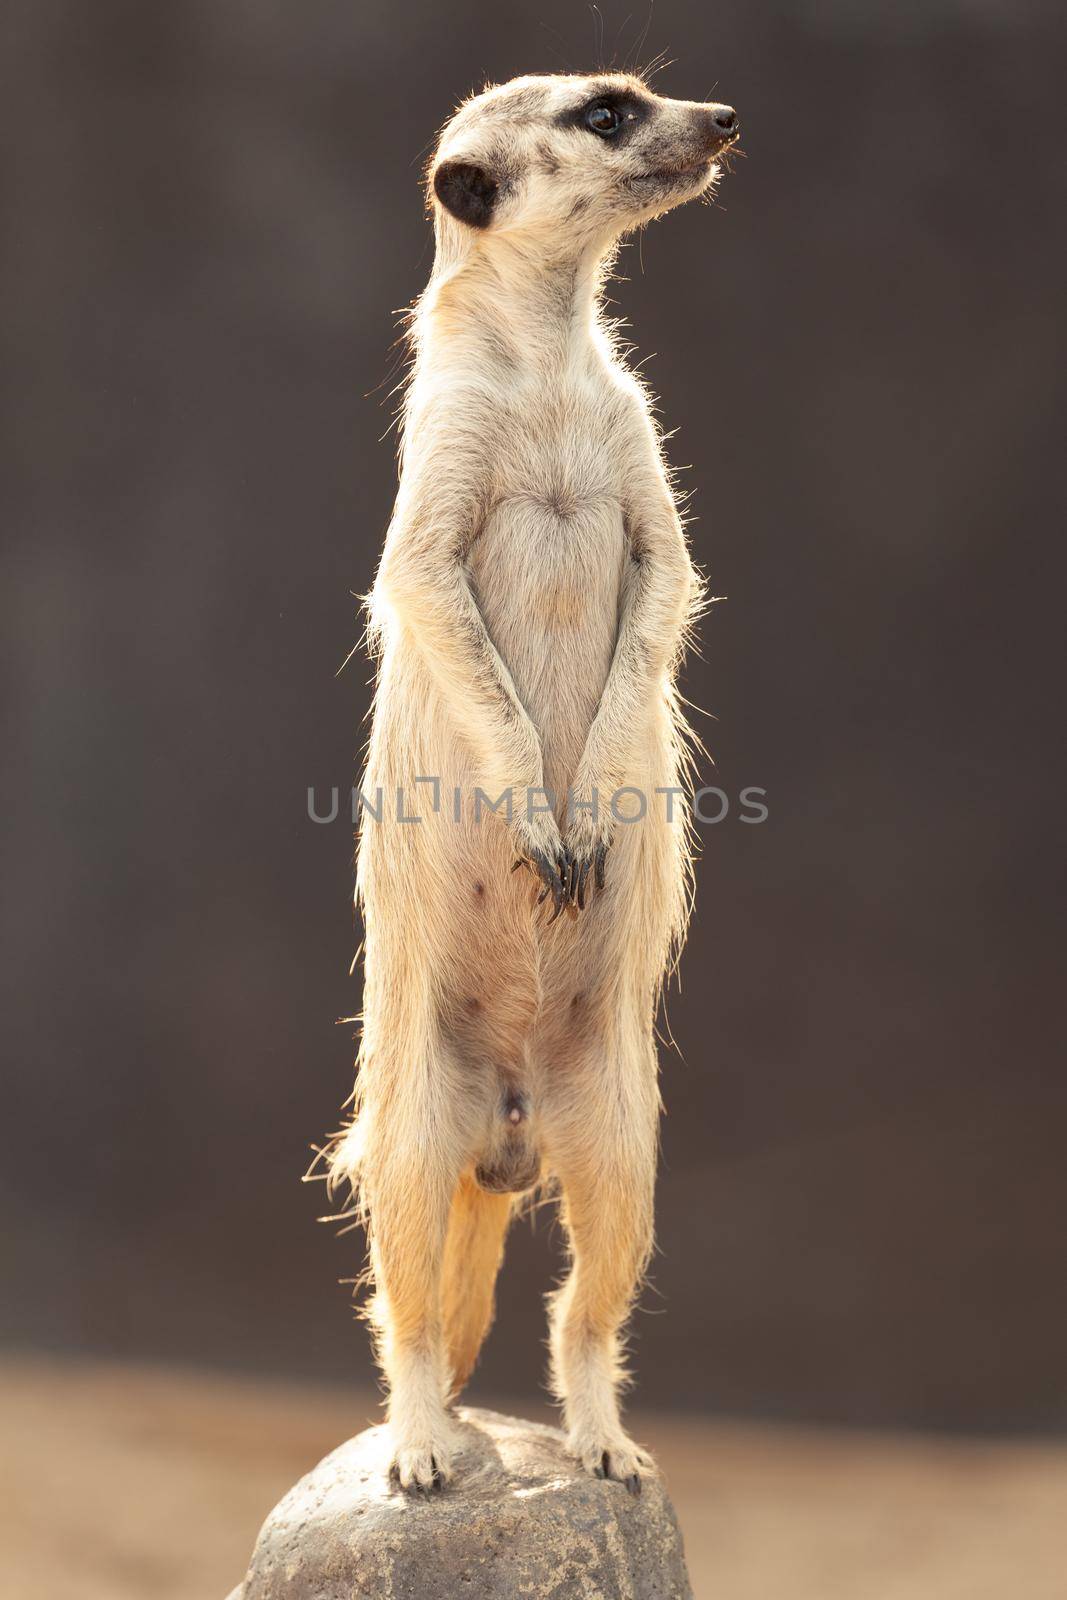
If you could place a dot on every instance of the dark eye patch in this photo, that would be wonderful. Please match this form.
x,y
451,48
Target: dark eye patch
x,y
628,108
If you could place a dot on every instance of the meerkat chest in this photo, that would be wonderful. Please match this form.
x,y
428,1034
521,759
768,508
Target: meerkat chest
x,y
558,453
552,549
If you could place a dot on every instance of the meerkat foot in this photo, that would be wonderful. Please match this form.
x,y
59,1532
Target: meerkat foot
x,y
421,1467
618,1459
424,1443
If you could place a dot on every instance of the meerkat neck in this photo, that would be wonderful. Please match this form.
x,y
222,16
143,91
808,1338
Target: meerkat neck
x,y
540,310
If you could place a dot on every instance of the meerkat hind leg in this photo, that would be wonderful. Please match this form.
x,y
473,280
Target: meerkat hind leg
x,y
607,1212
410,1177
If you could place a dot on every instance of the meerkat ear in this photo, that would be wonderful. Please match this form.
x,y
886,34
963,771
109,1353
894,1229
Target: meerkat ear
x,y
468,191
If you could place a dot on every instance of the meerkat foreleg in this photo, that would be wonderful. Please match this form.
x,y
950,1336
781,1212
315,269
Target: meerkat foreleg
x,y
423,579
656,604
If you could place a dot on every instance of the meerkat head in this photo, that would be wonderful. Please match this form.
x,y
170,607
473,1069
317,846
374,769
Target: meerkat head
x,y
566,162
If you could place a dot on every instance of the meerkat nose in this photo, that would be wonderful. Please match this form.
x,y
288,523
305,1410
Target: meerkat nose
x,y
720,124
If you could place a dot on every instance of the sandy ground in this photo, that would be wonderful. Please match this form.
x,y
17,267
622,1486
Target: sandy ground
x,y
120,1483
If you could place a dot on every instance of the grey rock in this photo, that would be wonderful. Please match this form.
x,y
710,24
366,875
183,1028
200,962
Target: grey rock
x,y
521,1521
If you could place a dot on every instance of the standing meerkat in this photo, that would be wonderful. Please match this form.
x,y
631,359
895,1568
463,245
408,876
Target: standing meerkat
x,y
528,616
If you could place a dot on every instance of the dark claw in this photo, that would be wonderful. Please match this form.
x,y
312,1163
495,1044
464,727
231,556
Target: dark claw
x,y
549,875
633,1484
439,1482
602,1470
586,872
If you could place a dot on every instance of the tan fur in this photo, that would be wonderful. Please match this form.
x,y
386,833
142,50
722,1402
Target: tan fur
x,y
529,612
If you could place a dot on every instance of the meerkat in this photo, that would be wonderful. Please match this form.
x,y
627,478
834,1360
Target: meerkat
x,y
528,616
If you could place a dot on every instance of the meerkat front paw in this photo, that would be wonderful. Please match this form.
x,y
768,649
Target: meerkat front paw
x,y
618,1458
538,846
586,844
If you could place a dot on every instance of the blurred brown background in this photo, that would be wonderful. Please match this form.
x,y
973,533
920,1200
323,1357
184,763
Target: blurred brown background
x,y
213,213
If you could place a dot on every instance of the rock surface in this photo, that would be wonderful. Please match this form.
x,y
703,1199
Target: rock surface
x,y
521,1519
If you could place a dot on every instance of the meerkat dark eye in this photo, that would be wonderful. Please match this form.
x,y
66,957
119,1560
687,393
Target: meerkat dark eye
x,y
604,120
